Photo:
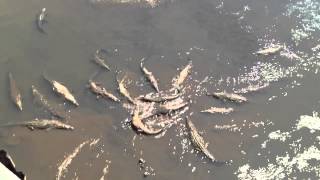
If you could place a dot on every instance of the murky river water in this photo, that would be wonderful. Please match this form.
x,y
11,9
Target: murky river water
x,y
273,136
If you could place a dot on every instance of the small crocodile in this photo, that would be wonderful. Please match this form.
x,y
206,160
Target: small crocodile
x,y
98,60
229,96
270,50
177,81
41,19
123,90
14,92
213,110
98,89
40,99
149,76
62,90
198,141
137,123
159,97
42,124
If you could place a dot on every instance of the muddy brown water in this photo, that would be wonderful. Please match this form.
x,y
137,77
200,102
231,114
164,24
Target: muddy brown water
x,y
212,35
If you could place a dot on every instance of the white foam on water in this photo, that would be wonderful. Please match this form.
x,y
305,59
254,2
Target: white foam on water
x,y
295,161
282,136
310,122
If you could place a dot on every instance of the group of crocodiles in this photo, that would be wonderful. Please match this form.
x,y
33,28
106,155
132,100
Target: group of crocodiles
x,y
154,105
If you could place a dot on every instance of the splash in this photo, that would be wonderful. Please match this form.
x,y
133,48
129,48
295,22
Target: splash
x,y
296,161
308,13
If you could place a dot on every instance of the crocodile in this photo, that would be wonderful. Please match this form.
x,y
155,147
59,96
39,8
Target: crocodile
x,y
41,100
98,89
98,60
166,108
229,96
42,124
159,97
62,90
252,88
137,123
41,19
149,76
15,92
198,141
178,80
213,110
123,90
174,105
270,50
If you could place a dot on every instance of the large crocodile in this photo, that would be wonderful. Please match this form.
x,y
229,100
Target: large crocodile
x,y
42,124
62,90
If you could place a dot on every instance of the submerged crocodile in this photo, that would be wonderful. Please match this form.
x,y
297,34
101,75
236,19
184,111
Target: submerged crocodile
x,y
159,97
62,90
229,96
14,92
123,90
40,99
177,81
149,76
213,110
252,88
41,19
198,141
98,60
270,50
137,123
99,90
42,124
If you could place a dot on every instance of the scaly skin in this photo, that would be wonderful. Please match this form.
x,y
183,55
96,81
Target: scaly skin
x,y
62,90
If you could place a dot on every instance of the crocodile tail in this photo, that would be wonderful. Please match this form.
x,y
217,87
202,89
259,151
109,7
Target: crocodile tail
x,y
94,75
45,76
221,163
